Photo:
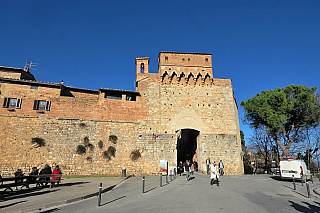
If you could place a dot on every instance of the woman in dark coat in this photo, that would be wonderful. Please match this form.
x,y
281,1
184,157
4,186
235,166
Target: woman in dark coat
x,y
46,171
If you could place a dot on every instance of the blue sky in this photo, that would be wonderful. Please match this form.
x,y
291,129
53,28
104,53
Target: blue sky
x,y
260,45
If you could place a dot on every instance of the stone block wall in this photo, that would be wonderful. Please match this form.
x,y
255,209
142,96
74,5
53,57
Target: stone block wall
x,y
218,147
62,136
12,75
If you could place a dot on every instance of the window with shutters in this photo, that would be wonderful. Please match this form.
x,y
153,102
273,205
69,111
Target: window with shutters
x,y
12,103
41,105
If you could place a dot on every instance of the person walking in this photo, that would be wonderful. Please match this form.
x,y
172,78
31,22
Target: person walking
x,y
214,173
187,168
221,166
180,168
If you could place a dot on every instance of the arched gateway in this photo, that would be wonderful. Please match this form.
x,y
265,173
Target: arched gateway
x,y
187,125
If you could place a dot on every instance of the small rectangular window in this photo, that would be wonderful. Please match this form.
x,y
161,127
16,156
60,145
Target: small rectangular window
x,y
12,103
41,105
131,98
34,87
113,96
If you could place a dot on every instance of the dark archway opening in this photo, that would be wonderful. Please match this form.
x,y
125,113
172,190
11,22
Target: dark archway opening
x,y
187,145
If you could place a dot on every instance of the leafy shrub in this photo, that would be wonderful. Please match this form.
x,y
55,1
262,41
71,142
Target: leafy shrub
x,y
82,125
113,139
39,141
87,144
81,150
111,151
135,154
86,141
100,144
91,147
106,155
89,159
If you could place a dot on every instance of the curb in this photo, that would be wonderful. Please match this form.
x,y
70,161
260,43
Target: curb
x,y
315,190
52,205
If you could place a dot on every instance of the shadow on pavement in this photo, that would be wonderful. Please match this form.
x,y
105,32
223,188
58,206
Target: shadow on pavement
x,y
295,191
28,193
71,184
278,178
11,204
310,208
150,189
97,193
51,210
113,200
32,191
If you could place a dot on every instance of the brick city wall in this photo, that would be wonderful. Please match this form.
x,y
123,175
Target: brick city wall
x,y
62,136
83,105
182,95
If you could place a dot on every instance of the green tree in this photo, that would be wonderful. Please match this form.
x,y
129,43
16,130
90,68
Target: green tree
x,y
246,156
284,112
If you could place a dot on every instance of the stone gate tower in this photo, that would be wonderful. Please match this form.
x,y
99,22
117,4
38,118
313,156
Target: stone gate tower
x,y
193,115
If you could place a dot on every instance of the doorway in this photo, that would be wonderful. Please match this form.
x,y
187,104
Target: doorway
x,y
187,145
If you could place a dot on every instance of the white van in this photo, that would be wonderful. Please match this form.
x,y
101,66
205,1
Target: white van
x,y
289,168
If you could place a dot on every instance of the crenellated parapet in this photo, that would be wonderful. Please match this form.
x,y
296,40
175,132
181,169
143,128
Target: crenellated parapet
x,y
185,68
190,78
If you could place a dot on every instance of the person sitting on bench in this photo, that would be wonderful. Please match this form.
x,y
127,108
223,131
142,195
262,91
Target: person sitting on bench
x,y
57,171
18,173
33,172
45,171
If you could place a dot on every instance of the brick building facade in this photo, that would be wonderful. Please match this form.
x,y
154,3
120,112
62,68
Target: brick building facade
x,y
182,112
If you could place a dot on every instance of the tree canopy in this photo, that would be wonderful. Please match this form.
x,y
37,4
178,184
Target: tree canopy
x,y
284,112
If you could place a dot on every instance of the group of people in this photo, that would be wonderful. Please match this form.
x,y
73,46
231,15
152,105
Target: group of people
x,y
216,171
187,167
44,171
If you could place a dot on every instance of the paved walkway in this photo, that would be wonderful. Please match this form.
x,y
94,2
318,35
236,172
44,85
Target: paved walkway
x,y
246,193
70,190
126,193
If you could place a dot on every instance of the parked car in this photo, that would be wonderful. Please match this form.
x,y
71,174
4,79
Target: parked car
x,y
289,168
274,168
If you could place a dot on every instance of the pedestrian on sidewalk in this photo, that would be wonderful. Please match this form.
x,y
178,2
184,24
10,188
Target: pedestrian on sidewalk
x,y
187,168
180,168
221,166
214,173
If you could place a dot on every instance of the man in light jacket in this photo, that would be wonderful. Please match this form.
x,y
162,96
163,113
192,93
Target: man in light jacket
x,y
214,173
